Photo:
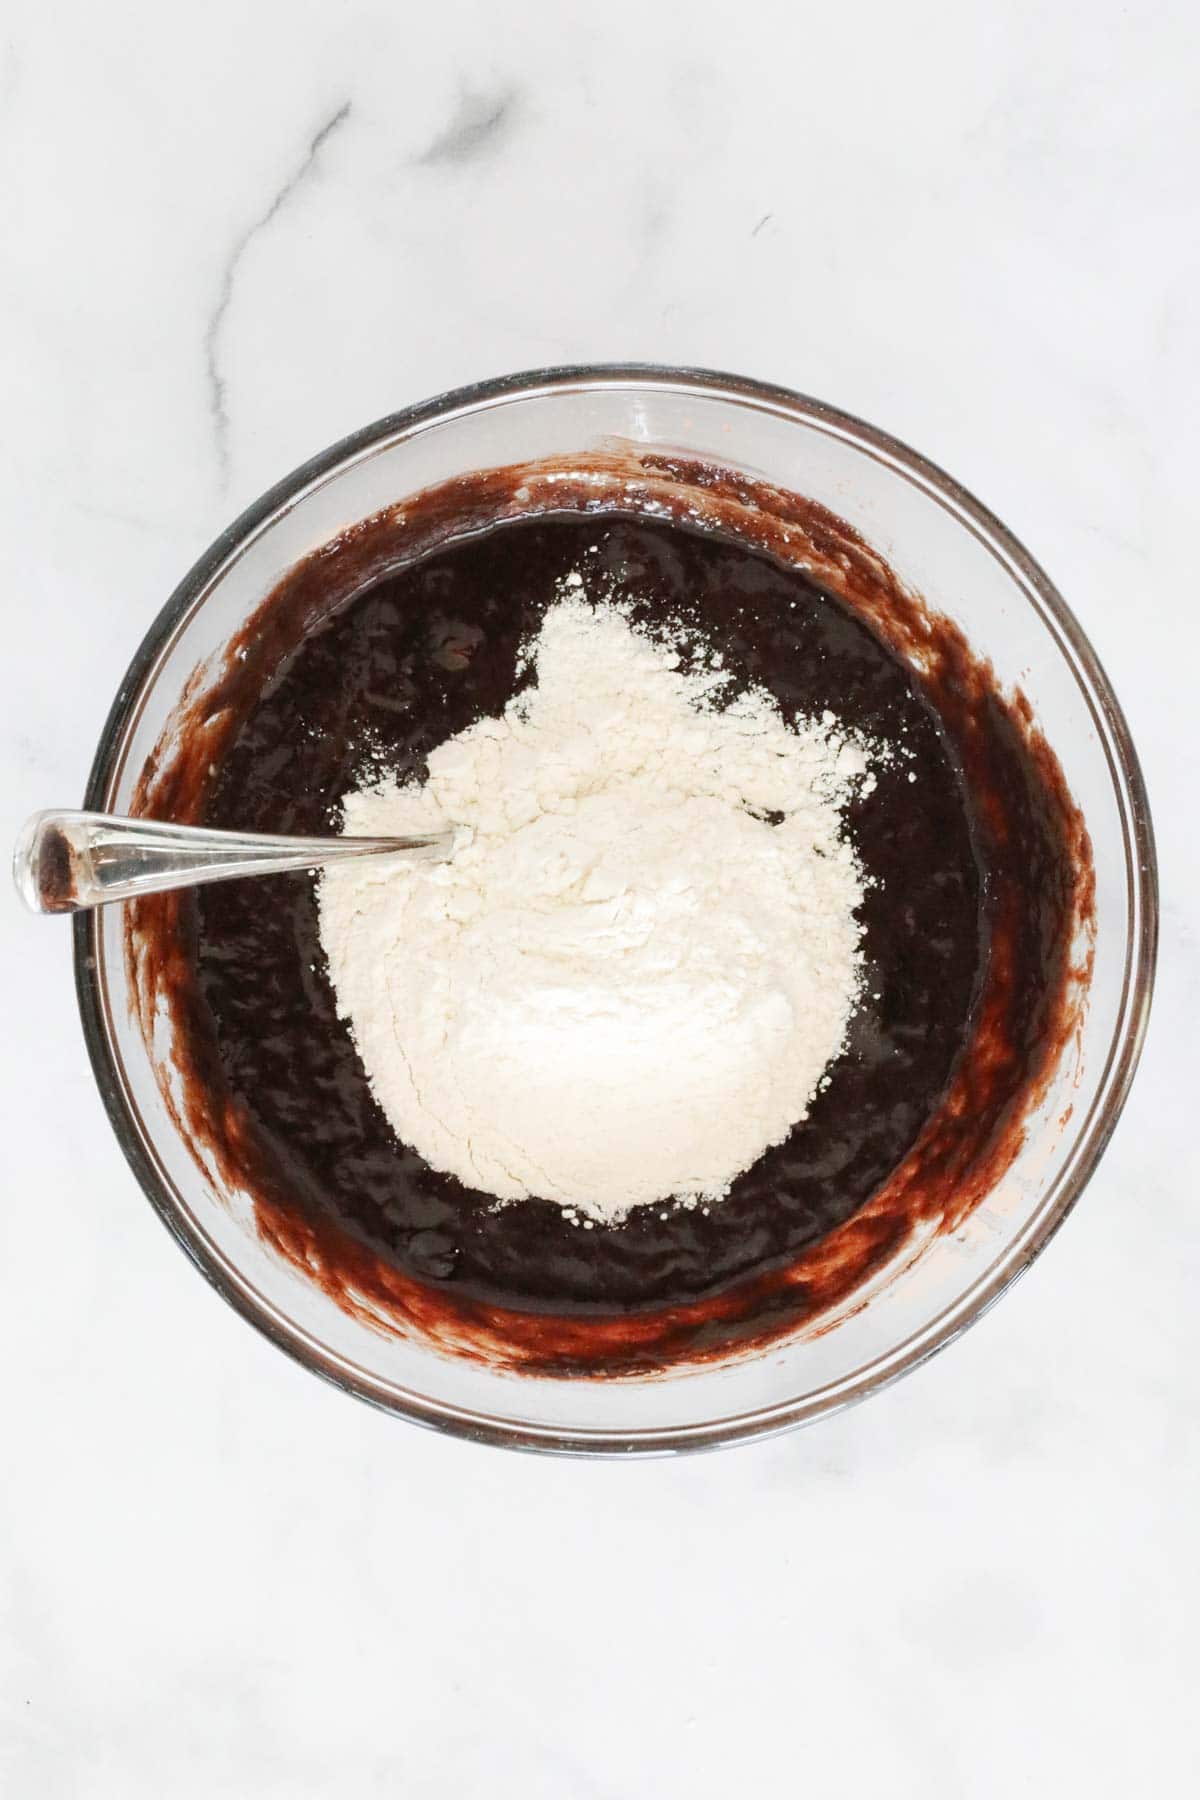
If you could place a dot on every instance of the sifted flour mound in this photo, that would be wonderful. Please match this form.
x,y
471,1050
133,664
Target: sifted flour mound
x,y
627,982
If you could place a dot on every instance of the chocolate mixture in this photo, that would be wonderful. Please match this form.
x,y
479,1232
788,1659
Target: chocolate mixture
x,y
971,848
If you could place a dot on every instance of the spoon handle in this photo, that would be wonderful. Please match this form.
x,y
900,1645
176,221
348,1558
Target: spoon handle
x,y
66,861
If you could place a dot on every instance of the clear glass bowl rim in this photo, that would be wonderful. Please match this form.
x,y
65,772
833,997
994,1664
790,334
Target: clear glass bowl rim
x,y
1141,877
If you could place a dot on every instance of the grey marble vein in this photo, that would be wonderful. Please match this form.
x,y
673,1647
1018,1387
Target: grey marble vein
x,y
763,221
218,403
477,126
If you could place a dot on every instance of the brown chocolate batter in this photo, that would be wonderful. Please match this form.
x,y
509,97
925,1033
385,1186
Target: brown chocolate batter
x,y
977,865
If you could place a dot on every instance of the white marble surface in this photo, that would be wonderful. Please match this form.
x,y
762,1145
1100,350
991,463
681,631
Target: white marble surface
x,y
228,235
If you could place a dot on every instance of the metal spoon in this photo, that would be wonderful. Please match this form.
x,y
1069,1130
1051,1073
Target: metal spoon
x,y
67,861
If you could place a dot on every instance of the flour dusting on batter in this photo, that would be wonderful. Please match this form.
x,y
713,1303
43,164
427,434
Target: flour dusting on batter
x,y
630,979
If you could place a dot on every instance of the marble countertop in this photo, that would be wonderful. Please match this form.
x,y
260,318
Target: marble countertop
x,y
229,235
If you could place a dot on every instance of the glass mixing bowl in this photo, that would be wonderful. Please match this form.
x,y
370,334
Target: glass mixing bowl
x,y
942,543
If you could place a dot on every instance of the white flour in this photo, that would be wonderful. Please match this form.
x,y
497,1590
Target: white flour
x,y
628,983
